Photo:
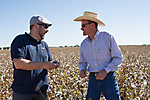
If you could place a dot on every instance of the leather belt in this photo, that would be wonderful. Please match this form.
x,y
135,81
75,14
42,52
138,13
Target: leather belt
x,y
95,73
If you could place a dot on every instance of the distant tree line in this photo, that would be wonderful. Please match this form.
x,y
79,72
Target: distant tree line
x,y
72,46
8,48
4,48
68,46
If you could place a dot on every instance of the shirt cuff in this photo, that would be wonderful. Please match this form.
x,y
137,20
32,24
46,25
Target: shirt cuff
x,y
82,69
108,69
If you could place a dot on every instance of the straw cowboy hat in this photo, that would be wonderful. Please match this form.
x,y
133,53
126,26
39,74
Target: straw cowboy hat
x,y
90,16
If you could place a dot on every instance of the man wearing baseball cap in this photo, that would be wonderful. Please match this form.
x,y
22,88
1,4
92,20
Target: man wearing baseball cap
x,y
31,59
100,52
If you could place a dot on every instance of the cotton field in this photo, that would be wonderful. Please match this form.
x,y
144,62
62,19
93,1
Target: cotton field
x,y
65,84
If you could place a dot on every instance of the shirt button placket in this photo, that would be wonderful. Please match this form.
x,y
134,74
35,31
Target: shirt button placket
x,y
94,52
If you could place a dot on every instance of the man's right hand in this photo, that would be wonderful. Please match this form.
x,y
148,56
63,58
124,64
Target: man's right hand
x,y
82,74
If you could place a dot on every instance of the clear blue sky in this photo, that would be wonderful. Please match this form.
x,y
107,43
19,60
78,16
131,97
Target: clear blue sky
x,y
127,20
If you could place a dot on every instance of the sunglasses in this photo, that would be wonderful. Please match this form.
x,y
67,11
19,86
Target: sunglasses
x,y
83,25
46,26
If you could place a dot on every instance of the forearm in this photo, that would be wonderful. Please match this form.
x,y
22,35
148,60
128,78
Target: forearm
x,y
29,65
113,65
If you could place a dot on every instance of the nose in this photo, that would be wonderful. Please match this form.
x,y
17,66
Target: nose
x,y
47,30
81,28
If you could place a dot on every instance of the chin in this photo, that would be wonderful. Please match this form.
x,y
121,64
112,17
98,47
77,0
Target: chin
x,y
42,38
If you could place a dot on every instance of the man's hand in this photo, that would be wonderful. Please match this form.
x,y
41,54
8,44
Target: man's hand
x,y
101,75
82,74
25,64
56,63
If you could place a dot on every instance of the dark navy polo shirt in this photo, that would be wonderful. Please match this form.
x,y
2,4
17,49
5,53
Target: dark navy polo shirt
x,y
26,81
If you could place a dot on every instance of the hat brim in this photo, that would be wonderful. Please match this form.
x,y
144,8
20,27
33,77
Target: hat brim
x,y
49,23
81,18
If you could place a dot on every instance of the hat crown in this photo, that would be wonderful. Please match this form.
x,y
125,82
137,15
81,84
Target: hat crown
x,y
39,19
90,14
87,15
42,19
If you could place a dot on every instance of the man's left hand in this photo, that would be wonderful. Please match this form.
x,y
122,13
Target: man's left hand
x,y
101,75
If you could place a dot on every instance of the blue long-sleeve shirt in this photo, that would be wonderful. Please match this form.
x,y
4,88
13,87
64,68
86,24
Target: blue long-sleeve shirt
x,y
100,53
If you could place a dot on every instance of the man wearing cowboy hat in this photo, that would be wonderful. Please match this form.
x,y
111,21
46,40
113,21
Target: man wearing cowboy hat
x,y
100,52
31,59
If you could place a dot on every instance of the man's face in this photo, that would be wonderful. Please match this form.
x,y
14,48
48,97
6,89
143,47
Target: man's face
x,y
42,30
86,27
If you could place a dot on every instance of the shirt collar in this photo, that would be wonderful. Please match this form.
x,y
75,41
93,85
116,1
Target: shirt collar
x,y
32,38
96,35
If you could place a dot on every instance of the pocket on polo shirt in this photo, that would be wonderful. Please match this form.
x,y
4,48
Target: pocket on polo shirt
x,y
102,54
44,54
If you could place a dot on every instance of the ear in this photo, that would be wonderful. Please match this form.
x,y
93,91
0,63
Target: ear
x,y
35,25
93,25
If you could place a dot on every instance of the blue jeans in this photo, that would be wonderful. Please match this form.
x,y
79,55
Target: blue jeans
x,y
108,87
20,96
